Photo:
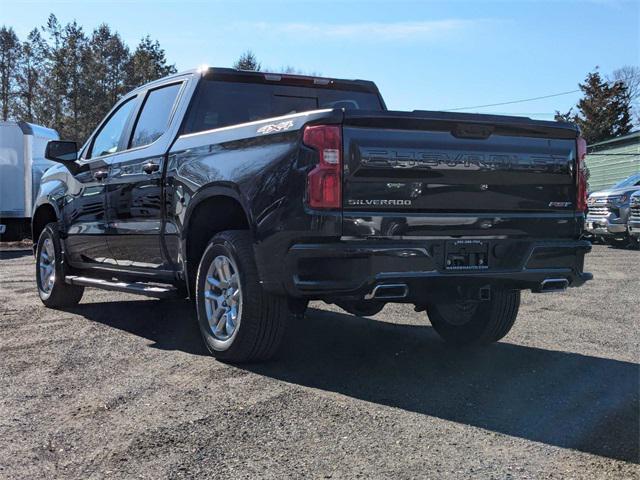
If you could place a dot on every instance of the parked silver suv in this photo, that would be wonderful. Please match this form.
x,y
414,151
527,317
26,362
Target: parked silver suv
x,y
634,219
609,211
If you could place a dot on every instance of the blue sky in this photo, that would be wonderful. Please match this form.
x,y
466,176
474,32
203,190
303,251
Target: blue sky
x,y
422,55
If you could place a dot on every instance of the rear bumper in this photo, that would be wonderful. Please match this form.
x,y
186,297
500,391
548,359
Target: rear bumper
x,y
353,268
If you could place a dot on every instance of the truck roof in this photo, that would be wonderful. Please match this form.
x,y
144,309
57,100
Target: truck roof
x,y
249,76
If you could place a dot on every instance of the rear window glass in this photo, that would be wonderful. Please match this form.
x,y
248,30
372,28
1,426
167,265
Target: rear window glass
x,y
219,104
154,118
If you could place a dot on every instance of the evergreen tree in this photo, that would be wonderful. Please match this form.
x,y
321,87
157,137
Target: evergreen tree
x,y
55,88
30,79
603,111
565,117
630,76
147,63
64,80
78,103
9,57
106,65
247,61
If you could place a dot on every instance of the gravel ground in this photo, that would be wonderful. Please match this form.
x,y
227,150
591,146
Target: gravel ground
x,y
122,387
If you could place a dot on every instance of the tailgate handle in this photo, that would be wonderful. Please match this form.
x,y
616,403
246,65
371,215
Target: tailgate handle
x,y
465,130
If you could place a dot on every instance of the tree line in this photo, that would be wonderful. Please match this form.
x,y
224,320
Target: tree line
x,y
67,79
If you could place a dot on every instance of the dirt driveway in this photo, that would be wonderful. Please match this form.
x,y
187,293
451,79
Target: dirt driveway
x,y
121,387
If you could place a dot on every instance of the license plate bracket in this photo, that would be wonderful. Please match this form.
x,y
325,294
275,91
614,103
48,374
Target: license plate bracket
x,y
467,255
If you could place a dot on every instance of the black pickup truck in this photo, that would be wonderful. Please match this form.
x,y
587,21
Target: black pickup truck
x,y
253,193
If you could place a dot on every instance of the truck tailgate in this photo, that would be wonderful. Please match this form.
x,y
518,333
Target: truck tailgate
x,y
435,173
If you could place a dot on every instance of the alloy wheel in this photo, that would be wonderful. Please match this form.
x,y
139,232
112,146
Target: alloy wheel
x,y
223,298
47,266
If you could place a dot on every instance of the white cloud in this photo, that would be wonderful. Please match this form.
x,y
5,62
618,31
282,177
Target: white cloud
x,y
421,30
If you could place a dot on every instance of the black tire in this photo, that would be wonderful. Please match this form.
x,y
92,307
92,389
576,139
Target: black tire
x,y
56,293
620,242
476,323
297,307
261,317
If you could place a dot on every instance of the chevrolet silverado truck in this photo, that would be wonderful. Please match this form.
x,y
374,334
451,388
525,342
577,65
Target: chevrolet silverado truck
x,y
633,224
253,193
608,212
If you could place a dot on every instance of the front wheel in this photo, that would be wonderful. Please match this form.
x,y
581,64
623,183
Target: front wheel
x,y
621,242
239,321
470,322
53,290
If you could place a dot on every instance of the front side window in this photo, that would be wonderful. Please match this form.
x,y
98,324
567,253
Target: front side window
x,y
107,140
154,118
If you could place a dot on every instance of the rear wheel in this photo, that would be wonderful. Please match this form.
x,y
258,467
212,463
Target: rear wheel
x,y
53,290
473,322
239,321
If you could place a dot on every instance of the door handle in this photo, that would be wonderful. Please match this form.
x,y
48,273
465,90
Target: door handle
x,y
100,174
151,167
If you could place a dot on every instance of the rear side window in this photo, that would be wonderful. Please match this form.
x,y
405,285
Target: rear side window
x,y
154,117
107,140
219,104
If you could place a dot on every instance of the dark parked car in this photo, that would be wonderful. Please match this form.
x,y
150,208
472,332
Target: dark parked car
x,y
253,193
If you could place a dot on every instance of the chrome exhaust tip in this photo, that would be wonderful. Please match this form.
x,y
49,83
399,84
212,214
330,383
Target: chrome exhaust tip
x,y
550,285
388,292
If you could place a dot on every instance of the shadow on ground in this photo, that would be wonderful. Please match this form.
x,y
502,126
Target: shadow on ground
x,y
12,254
169,324
563,399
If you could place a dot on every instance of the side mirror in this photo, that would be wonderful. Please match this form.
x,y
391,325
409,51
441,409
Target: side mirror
x,y
61,152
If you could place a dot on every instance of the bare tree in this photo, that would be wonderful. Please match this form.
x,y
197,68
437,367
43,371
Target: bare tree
x,y
630,76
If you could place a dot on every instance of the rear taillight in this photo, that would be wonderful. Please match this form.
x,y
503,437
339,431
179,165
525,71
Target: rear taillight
x,y
324,181
581,176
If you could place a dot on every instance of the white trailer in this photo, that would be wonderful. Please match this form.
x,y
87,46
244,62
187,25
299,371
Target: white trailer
x,y
22,164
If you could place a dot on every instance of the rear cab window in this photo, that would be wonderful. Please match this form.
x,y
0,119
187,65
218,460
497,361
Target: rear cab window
x,y
154,117
222,103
